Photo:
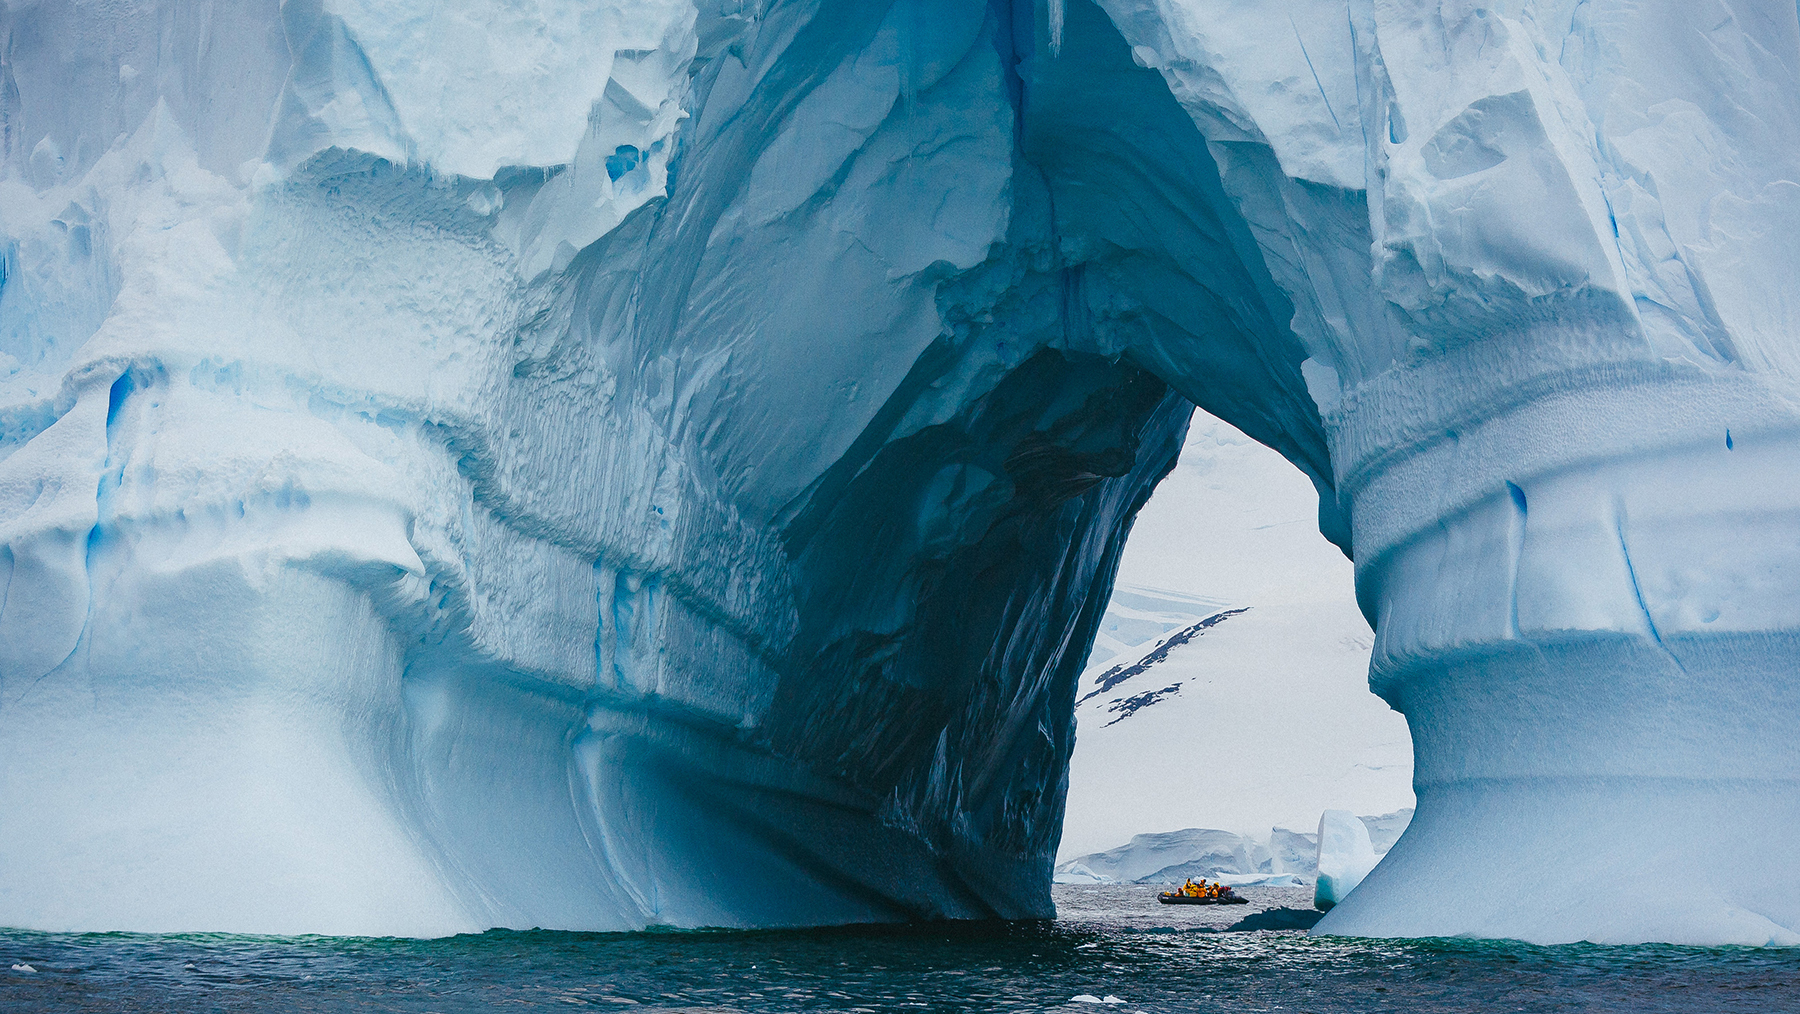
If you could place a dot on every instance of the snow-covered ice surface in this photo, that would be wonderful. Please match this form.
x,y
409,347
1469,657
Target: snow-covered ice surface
x,y
502,463
1271,721
1169,857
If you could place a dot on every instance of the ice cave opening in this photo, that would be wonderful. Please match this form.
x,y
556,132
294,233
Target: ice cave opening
x,y
502,464
1226,706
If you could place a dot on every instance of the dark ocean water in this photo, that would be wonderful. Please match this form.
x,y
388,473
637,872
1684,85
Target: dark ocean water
x,y
1109,943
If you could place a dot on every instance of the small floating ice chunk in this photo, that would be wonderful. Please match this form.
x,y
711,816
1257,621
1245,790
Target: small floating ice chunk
x,y
1091,998
23,968
1346,855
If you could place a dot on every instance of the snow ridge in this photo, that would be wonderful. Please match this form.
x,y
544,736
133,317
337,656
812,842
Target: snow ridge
x,y
1120,673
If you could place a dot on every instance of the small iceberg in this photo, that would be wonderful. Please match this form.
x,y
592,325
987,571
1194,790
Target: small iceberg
x,y
1346,855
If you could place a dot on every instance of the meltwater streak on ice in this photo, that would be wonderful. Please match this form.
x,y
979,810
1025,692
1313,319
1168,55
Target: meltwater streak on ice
x,y
492,463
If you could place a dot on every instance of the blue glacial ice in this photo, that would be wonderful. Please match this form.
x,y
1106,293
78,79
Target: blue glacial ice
x,y
479,463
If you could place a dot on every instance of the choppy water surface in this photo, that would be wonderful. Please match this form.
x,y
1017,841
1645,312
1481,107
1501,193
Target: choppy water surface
x,y
1109,943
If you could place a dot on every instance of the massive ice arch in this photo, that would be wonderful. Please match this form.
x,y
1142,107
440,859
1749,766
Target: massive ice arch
x,y
483,464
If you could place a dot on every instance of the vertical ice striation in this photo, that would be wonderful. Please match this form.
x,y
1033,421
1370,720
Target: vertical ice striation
x,y
483,463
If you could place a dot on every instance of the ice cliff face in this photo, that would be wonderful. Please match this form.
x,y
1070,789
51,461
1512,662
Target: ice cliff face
x,y
479,463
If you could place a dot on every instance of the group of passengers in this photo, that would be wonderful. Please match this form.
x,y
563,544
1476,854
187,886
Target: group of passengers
x,y
1204,889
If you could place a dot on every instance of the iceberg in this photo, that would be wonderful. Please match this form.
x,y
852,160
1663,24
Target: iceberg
x,y
1294,851
1169,857
1286,857
1346,855
1385,829
500,464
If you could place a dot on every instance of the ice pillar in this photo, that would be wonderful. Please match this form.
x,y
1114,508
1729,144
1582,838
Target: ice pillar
x,y
1537,255
1569,458
1596,661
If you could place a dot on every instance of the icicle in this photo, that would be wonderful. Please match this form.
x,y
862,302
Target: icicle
x,y
1056,27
